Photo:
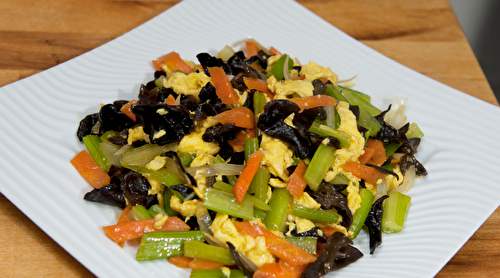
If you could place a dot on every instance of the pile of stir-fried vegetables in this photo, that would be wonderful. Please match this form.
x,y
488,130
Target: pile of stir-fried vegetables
x,y
249,164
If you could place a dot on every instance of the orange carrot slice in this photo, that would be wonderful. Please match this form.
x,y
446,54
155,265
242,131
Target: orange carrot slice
x,y
252,49
223,87
203,264
366,156
124,219
242,184
313,101
238,144
284,250
135,229
296,183
170,100
173,61
279,270
240,116
378,158
367,173
89,170
181,261
274,51
259,85
127,110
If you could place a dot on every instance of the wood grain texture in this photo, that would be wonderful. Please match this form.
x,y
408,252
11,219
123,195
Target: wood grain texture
x,y
421,34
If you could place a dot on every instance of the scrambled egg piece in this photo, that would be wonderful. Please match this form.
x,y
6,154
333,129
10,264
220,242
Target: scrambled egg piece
x,y
302,224
314,71
187,84
255,249
136,134
277,156
157,163
353,197
277,183
186,209
303,88
201,184
156,188
160,220
307,201
392,181
193,142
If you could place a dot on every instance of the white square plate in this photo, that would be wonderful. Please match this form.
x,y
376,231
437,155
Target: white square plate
x,y
40,115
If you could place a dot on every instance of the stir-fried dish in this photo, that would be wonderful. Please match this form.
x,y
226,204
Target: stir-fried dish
x,y
250,164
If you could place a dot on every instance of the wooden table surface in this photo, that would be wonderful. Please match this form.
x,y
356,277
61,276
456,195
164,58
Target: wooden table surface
x,y
423,35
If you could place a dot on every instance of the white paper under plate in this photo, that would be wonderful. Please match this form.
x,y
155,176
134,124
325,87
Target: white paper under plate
x,y
40,115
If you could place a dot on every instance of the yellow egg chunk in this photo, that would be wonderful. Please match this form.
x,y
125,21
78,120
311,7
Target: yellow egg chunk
x,y
137,134
255,249
307,201
186,209
157,163
303,88
277,156
302,224
160,220
392,181
156,188
193,142
314,71
187,84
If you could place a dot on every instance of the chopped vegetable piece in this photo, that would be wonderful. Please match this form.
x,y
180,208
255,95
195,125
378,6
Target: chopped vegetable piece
x,y
366,156
258,84
276,217
89,170
252,49
136,229
327,216
308,243
369,174
278,246
313,101
395,211
246,176
93,146
378,158
223,87
141,212
319,165
126,109
362,212
239,116
200,250
180,261
216,273
279,67
225,202
173,61
297,184
160,245
278,270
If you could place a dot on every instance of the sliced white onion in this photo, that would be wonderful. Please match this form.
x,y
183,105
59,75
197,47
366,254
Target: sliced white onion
x,y
396,115
348,79
123,149
216,169
178,100
381,189
225,53
408,180
256,43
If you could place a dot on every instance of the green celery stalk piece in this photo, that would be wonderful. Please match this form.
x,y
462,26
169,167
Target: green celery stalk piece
x,y
93,146
390,148
340,179
354,99
185,158
358,93
155,209
306,243
251,145
216,273
224,202
323,130
256,201
368,121
362,212
278,67
164,245
107,135
414,131
276,217
142,212
333,91
395,211
319,165
231,178
260,183
200,250
167,195
259,213
327,216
